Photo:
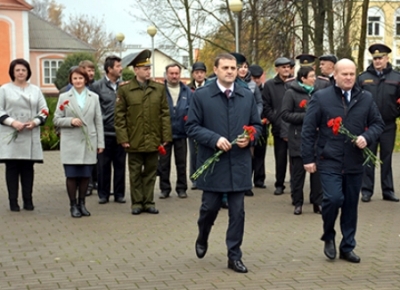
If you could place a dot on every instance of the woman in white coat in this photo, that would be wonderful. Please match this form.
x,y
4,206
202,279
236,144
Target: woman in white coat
x,y
22,110
78,116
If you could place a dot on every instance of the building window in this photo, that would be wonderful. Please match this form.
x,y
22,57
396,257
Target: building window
x,y
373,25
398,25
50,68
397,63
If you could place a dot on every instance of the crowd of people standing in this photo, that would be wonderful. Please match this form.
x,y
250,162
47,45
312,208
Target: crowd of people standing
x,y
104,123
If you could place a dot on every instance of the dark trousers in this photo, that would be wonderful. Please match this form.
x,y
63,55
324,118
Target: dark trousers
x,y
210,206
280,153
340,191
19,170
113,156
386,144
142,177
260,150
180,154
297,183
192,156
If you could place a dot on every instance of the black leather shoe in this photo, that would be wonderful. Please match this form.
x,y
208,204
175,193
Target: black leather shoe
x,y
390,197
261,185
298,210
278,190
249,193
201,250
317,208
365,198
82,208
330,249
237,266
152,210
103,200
120,200
75,212
28,204
136,211
350,257
182,194
224,204
14,205
164,194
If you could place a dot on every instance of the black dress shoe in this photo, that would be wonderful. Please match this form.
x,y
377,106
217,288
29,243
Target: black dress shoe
x,y
278,190
317,208
164,194
330,249
365,198
89,192
390,197
201,249
237,266
103,200
14,205
75,212
350,257
224,204
136,211
298,210
182,194
152,210
82,208
261,185
120,200
249,193
28,204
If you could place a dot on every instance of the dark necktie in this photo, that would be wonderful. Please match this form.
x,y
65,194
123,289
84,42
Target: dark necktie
x,y
346,97
228,93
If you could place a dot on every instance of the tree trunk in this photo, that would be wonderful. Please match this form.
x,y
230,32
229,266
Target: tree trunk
x,y
363,36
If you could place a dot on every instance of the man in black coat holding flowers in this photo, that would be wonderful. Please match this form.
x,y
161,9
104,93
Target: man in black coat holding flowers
x,y
216,117
339,158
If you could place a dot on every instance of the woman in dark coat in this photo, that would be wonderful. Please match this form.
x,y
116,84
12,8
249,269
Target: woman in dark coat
x,y
294,107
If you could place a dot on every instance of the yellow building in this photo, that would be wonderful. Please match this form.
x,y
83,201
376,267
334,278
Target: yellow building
x,y
383,26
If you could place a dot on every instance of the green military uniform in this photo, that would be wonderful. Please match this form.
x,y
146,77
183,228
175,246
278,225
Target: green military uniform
x,y
142,119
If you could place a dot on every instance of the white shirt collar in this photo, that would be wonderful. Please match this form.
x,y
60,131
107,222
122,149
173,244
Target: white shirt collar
x,y
223,89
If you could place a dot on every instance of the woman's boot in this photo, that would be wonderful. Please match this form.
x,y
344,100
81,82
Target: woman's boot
x,y
14,204
75,212
82,207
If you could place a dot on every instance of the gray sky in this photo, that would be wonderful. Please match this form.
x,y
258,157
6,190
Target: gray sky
x,y
116,14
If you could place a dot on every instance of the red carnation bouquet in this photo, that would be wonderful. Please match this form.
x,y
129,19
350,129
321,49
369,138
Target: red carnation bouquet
x,y
337,127
303,104
249,132
62,107
14,135
161,150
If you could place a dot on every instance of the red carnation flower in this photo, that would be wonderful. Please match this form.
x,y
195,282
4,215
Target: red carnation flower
x,y
161,150
303,104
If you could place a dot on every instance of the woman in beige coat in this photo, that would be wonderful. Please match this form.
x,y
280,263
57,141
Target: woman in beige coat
x,y
78,116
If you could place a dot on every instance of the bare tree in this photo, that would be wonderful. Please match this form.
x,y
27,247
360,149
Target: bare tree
x,y
40,8
91,30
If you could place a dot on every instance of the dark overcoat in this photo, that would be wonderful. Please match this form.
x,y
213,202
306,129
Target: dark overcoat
x,y
211,116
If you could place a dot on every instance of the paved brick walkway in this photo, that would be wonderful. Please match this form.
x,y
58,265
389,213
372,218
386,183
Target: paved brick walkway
x,y
47,249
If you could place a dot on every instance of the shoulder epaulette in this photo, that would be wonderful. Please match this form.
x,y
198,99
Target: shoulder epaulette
x,y
124,83
323,78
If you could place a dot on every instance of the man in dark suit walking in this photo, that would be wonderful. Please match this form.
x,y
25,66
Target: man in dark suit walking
x,y
339,159
216,117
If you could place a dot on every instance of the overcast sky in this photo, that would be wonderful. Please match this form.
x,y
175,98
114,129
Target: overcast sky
x,y
116,14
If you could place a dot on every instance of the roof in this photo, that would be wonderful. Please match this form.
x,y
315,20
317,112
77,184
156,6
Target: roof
x,y
15,5
44,35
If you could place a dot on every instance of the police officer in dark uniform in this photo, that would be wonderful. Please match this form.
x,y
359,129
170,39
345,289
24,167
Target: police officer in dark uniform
x,y
142,122
260,149
327,66
384,84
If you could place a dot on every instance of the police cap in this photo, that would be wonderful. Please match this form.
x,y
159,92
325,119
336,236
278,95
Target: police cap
x,y
379,50
306,59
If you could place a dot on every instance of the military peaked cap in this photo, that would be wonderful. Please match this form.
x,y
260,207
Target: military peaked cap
x,y
137,59
306,59
379,50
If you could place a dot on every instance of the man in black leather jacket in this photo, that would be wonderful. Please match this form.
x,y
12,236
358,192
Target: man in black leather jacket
x,y
114,154
384,84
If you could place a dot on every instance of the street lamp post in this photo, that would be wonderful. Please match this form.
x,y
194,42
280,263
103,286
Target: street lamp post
x,y
120,38
152,31
236,6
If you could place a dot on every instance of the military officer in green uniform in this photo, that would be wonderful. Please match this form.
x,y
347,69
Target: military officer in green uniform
x,y
142,123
